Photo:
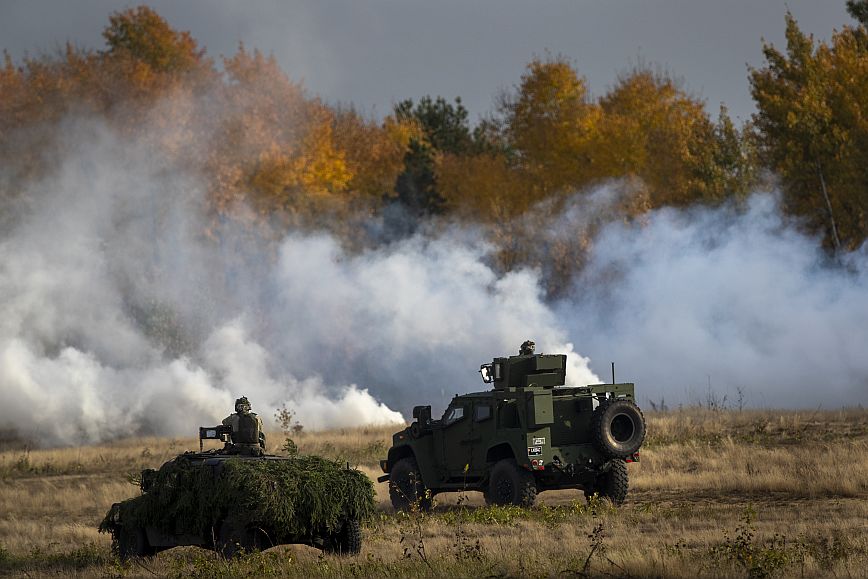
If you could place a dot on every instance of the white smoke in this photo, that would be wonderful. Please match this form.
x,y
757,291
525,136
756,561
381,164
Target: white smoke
x,y
119,317
700,304
415,318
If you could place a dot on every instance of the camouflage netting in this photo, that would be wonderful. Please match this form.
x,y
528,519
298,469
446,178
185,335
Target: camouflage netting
x,y
293,497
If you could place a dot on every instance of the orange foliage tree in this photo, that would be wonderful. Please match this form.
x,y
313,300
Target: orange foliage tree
x,y
812,125
551,127
658,132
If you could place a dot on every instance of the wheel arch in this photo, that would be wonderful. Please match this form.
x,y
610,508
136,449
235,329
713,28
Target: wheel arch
x,y
499,452
396,453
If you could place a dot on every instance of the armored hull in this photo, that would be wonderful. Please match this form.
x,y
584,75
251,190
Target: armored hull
x,y
528,434
231,503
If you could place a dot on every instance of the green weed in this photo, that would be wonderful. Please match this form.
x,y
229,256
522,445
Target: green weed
x,y
760,561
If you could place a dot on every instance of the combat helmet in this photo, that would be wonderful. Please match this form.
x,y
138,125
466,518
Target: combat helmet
x,y
244,405
527,348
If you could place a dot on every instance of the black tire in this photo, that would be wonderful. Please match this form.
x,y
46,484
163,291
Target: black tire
x,y
618,428
346,541
511,485
129,543
612,484
406,488
486,494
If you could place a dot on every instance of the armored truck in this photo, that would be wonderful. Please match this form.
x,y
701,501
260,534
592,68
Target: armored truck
x,y
233,502
528,434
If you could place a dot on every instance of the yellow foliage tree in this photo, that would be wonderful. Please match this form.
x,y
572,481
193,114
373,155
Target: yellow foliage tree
x,y
483,188
656,131
142,35
275,144
552,127
373,153
812,125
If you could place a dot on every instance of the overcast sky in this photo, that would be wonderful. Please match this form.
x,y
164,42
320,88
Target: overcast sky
x,y
373,53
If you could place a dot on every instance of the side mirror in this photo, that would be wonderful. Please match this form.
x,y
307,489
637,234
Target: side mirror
x,y
491,372
487,374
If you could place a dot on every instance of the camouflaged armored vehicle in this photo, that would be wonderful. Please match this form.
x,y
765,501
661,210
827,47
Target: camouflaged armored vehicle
x,y
530,433
233,502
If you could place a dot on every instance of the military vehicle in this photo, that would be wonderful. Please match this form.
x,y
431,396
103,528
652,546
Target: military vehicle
x,y
232,502
530,433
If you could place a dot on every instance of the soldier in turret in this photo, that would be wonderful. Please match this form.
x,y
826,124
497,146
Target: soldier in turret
x,y
247,435
527,348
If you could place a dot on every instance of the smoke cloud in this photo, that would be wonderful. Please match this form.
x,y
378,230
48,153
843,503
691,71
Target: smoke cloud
x,y
120,317
706,304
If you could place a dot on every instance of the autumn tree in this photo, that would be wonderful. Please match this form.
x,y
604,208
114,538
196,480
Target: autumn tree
x,y
734,167
858,9
142,35
442,128
812,126
551,127
656,131
483,187
275,145
539,145
375,152
37,94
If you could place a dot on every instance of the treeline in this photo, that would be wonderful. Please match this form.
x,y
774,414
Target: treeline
x,y
271,153
812,127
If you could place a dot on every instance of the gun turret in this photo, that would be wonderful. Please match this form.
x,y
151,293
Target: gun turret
x,y
221,433
545,370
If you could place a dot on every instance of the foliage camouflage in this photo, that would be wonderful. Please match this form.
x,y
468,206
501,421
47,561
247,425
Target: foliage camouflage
x,y
293,495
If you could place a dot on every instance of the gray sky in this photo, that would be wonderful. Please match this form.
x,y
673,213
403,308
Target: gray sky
x,y
373,53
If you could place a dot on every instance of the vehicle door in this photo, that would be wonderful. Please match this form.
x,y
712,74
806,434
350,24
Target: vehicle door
x,y
481,435
454,438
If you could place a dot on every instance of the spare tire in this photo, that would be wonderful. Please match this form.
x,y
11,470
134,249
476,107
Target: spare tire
x,y
617,428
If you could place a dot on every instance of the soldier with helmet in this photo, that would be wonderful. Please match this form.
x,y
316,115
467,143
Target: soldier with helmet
x,y
247,435
527,348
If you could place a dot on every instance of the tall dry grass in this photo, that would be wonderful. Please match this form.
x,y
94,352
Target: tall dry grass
x,y
702,474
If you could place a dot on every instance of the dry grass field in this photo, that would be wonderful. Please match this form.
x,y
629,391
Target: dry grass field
x,y
718,494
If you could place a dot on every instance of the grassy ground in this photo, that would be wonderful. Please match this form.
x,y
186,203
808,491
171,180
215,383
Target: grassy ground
x,y
717,494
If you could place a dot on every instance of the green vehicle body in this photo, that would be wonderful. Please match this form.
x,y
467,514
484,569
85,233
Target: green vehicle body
x,y
234,502
552,436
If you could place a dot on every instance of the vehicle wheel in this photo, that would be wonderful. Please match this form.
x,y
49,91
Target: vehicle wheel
x,y
346,541
406,488
618,428
129,543
511,485
233,540
486,494
612,484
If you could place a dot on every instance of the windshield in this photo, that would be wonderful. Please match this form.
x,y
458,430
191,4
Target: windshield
x,y
453,414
